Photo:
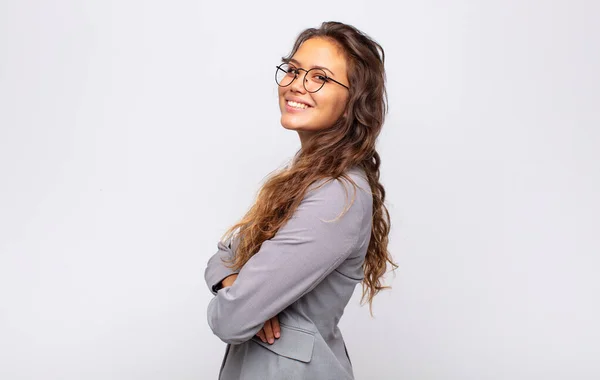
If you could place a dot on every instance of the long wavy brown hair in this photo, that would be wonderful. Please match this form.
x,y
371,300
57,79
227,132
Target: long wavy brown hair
x,y
329,154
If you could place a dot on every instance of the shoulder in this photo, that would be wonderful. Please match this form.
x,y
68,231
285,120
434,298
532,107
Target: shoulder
x,y
335,196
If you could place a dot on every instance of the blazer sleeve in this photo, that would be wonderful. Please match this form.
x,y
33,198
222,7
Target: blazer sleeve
x,y
216,271
308,247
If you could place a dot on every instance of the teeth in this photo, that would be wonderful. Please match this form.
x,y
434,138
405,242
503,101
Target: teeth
x,y
296,104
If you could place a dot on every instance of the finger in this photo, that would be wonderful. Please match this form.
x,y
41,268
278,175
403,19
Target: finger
x,y
269,331
261,335
275,326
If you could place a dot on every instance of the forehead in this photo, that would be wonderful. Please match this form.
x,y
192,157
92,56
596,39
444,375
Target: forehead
x,y
321,52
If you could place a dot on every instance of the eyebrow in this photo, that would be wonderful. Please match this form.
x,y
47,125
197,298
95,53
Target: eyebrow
x,y
314,67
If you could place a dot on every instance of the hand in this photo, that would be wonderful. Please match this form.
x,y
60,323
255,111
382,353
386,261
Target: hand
x,y
270,330
229,280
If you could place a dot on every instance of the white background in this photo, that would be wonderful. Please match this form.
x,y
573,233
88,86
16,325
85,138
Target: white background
x,y
133,133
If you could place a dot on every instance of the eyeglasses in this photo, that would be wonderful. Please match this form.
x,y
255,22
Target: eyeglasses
x,y
314,79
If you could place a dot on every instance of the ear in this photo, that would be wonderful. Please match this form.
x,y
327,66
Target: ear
x,y
346,109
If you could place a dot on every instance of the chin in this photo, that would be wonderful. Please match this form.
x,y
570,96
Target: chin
x,y
290,124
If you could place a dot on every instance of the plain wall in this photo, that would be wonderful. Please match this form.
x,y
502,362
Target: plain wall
x,y
133,133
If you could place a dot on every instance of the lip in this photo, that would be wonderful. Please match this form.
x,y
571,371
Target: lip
x,y
297,100
289,108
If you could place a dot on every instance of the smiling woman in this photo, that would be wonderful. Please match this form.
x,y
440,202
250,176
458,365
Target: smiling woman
x,y
284,273
324,99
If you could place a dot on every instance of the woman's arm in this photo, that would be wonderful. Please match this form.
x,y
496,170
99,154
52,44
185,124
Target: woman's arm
x,y
308,247
216,271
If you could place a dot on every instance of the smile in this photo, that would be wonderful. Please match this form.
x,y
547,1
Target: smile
x,y
297,105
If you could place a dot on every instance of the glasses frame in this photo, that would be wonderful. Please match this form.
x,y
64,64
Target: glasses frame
x,y
297,69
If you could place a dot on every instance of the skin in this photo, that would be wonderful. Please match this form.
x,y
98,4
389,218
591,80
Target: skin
x,y
327,105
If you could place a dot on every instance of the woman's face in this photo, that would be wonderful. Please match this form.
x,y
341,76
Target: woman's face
x,y
324,106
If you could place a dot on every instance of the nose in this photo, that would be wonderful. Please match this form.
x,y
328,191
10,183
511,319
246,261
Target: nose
x,y
298,83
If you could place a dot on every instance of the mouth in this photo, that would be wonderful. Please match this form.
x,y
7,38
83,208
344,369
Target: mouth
x,y
290,105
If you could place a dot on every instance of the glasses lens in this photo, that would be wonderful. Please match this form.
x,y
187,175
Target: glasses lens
x,y
315,79
284,75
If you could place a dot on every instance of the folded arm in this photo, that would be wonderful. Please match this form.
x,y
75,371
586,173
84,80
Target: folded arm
x,y
308,247
216,270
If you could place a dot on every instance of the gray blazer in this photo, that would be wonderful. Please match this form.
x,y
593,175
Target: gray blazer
x,y
305,274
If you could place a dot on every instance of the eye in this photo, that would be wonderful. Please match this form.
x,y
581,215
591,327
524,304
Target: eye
x,y
318,76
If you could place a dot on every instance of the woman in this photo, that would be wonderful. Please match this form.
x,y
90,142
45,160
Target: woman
x,y
282,282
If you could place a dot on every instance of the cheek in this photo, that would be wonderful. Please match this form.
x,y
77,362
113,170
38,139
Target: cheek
x,y
280,99
333,107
